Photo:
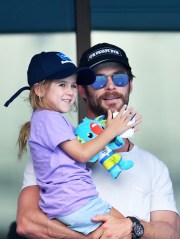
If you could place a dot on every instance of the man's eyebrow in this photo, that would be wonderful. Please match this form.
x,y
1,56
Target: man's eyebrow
x,y
116,72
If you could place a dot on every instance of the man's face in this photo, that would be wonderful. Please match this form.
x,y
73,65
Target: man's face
x,y
111,96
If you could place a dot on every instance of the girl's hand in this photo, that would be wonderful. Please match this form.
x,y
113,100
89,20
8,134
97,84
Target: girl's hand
x,y
119,124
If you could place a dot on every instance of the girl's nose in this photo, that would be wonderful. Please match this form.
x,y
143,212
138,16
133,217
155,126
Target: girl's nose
x,y
69,91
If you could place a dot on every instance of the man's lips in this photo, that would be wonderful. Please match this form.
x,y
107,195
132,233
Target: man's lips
x,y
111,98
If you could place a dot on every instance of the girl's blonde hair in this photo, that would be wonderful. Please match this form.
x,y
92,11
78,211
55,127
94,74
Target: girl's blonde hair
x,y
36,102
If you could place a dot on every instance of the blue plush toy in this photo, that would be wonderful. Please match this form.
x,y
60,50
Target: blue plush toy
x,y
112,162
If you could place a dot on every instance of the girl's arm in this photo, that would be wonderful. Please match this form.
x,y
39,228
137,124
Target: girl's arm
x,y
118,125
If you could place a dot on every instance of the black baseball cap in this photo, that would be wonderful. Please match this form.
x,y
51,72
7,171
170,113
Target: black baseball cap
x,y
52,66
101,53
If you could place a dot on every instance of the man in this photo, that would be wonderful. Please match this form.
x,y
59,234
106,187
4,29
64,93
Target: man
x,y
143,194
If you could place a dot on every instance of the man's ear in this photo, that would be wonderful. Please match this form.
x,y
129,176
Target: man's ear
x,y
38,89
130,86
82,92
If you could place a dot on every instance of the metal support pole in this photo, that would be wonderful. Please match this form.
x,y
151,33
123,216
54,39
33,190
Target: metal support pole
x,y
83,28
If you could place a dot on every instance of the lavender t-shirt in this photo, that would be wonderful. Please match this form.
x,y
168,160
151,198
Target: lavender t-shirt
x,y
66,185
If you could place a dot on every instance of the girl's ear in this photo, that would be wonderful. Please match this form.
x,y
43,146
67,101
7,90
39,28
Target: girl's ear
x,y
38,89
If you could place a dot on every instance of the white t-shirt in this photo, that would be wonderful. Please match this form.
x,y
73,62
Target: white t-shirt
x,y
144,188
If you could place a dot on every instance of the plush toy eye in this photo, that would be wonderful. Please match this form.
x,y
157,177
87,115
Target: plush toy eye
x,y
90,135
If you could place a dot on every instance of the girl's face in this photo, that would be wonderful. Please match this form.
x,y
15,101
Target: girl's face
x,y
61,94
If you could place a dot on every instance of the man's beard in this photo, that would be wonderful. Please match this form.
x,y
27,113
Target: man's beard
x,y
95,105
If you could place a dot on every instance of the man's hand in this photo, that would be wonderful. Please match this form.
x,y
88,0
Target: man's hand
x,y
163,225
113,227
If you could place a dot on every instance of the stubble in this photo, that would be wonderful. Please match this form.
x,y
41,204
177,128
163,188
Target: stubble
x,y
96,104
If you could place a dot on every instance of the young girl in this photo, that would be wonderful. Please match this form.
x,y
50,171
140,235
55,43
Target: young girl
x,y
67,191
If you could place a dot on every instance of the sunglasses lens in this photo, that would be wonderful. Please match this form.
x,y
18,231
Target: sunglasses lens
x,y
120,79
100,82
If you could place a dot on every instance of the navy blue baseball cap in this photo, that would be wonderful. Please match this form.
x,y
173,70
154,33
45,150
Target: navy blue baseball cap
x,y
52,66
101,53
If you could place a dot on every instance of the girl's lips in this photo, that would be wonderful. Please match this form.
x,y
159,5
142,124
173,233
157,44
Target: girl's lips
x,y
67,100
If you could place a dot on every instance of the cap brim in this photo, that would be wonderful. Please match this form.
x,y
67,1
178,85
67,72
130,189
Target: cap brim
x,y
85,76
110,60
61,74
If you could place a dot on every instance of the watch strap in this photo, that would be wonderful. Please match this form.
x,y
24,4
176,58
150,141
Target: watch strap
x,y
137,228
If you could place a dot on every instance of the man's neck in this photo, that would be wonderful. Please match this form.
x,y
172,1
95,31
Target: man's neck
x,y
126,148
91,115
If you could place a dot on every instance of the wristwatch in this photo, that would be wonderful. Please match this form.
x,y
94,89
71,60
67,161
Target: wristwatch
x,y
137,229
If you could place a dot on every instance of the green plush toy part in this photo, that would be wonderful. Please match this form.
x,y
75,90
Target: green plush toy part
x,y
111,161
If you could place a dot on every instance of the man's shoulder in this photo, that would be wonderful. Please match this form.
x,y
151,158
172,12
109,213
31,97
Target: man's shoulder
x,y
143,152
145,156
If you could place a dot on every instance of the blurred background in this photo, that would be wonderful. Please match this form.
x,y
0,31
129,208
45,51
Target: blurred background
x,y
150,35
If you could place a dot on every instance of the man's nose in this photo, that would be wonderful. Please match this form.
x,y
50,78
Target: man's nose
x,y
110,84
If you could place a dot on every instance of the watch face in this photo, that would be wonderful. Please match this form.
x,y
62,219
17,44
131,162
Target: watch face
x,y
138,230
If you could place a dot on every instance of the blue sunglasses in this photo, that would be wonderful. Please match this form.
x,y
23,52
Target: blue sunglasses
x,y
119,80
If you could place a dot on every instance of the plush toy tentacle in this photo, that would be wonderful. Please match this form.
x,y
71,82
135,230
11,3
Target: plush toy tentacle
x,y
125,164
117,143
115,171
93,159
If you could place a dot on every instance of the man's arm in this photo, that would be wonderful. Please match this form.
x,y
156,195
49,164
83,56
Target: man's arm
x,y
164,224
34,224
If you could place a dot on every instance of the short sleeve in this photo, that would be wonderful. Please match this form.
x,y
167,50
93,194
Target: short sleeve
x,y
29,175
49,129
163,196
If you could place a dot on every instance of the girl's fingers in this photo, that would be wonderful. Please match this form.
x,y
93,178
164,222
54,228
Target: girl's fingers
x,y
138,118
129,116
137,122
121,112
109,116
136,129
